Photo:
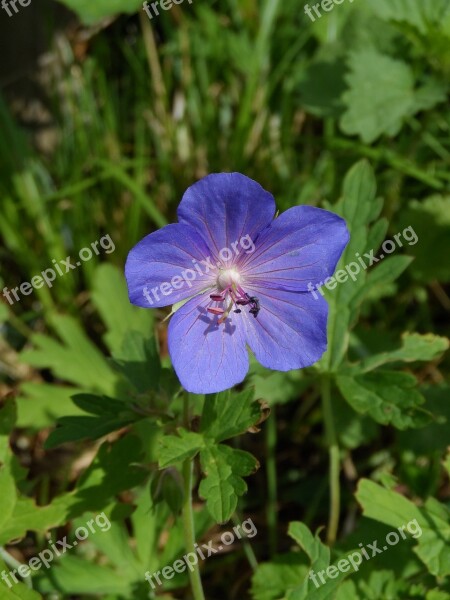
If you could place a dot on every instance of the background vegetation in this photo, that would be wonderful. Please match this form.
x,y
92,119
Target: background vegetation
x,y
101,136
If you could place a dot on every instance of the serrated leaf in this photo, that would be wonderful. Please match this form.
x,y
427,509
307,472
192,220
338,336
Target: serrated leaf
x,y
226,414
224,468
415,347
417,13
388,397
110,415
434,543
273,580
173,449
382,95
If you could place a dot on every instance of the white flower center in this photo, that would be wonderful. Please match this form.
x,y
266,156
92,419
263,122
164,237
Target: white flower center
x,y
227,277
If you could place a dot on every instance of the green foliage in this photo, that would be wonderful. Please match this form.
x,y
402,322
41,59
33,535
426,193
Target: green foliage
x,y
382,95
90,12
224,416
349,113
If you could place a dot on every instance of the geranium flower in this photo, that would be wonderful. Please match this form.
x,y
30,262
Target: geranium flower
x,y
244,275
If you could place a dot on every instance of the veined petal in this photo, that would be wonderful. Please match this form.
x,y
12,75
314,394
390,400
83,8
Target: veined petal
x,y
206,356
303,245
224,208
290,329
175,251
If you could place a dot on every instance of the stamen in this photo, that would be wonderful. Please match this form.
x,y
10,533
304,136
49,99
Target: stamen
x,y
215,311
228,284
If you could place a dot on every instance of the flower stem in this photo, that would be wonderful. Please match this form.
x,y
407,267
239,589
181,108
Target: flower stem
x,y
10,561
272,514
188,516
333,446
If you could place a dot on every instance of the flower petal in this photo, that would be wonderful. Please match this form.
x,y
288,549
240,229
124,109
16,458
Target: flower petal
x,y
206,356
290,331
162,255
225,207
302,245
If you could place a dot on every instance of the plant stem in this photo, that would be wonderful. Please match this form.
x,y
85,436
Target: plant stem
x,y
251,557
333,447
10,561
272,513
188,515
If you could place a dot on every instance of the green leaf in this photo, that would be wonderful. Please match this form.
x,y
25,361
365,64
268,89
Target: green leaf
x,y
42,404
382,95
386,506
226,415
415,347
387,396
417,13
319,556
321,86
173,449
90,12
77,576
272,581
17,591
77,359
112,471
138,360
110,415
8,496
318,553
431,523
110,297
224,468
430,220
381,276
434,543
359,207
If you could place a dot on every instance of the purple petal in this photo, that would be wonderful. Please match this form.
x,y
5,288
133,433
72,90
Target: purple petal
x,y
225,207
160,257
290,329
302,245
206,356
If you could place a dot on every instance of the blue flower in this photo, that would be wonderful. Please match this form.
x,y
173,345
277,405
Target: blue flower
x,y
243,275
